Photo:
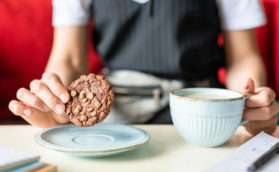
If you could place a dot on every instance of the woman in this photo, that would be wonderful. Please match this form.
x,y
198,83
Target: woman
x,y
153,45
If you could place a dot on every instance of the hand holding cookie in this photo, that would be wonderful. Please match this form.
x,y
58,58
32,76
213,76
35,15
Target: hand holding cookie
x,y
89,101
44,104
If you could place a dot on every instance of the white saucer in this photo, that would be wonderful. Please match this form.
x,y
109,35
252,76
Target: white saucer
x,y
100,140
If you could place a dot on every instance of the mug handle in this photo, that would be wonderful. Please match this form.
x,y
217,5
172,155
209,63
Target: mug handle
x,y
242,122
246,96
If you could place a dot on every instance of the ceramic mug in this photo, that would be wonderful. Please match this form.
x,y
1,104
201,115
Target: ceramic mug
x,y
207,122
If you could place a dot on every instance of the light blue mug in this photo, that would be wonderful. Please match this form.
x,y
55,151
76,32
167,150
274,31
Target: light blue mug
x,y
206,116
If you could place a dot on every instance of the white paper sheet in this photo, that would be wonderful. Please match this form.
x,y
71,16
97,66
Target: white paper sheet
x,y
241,158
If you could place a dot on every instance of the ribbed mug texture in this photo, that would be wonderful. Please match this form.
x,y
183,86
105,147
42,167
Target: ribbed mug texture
x,y
206,123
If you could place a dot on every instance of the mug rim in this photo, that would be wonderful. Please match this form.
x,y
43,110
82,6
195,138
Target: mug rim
x,y
208,100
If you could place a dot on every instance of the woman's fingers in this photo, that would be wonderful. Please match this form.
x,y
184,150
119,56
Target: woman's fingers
x,y
32,115
56,86
261,114
19,108
31,99
264,96
35,116
268,126
44,93
41,105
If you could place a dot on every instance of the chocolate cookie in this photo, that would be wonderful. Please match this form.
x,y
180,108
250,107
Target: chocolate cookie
x,y
91,100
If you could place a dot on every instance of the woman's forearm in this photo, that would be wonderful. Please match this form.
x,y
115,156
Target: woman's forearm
x,y
64,70
69,55
248,67
243,59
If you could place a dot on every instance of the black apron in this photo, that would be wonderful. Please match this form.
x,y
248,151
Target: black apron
x,y
175,39
168,38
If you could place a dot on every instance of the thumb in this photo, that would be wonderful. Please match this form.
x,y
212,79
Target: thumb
x,y
248,86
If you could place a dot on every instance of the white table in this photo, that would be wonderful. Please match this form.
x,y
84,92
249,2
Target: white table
x,y
166,151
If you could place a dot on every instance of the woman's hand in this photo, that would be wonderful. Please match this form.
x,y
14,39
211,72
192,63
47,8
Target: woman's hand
x,y
261,109
44,104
